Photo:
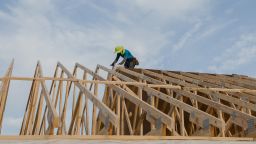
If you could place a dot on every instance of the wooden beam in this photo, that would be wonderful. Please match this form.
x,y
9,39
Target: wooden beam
x,y
105,110
167,86
134,99
198,113
54,115
128,138
240,119
4,93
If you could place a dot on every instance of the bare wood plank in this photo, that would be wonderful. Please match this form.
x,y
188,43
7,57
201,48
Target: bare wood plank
x,y
52,110
127,117
94,111
105,110
125,138
118,111
241,118
27,113
202,115
133,98
4,93
74,116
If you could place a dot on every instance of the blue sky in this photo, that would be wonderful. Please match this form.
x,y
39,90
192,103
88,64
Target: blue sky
x,y
216,36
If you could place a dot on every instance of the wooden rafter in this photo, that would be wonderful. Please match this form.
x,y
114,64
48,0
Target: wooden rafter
x,y
139,102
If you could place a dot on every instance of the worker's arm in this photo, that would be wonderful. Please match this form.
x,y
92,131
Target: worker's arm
x,y
122,62
116,60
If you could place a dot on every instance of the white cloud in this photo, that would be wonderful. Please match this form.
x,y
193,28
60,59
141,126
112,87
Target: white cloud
x,y
41,33
214,28
48,31
38,30
242,52
173,8
200,30
187,36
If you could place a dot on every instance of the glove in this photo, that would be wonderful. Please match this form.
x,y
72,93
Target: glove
x,y
113,64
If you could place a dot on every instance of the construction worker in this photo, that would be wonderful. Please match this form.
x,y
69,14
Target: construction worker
x,y
129,60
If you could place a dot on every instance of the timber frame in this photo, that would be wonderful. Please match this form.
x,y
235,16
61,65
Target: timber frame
x,y
141,102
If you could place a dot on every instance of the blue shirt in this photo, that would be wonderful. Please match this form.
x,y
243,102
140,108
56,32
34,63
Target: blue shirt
x,y
127,55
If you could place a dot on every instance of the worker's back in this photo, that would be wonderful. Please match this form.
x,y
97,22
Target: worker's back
x,y
127,54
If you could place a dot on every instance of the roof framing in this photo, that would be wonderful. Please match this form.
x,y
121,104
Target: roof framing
x,y
135,102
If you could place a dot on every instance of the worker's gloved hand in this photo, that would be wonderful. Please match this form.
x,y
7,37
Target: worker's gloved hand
x,y
113,64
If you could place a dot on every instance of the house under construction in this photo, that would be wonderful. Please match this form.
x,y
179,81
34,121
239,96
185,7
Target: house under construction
x,y
137,103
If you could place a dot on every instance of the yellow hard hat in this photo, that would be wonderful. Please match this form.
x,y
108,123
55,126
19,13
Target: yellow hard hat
x,y
119,49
